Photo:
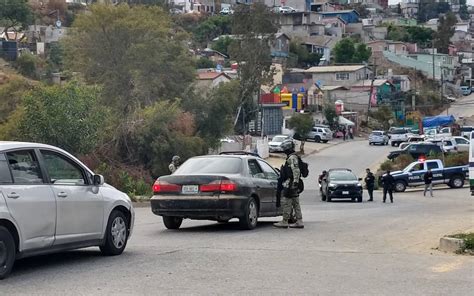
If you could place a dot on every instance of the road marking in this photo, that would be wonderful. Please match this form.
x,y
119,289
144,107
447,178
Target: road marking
x,y
448,267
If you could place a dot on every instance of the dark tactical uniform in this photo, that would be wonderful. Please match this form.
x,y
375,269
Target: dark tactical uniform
x,y
388,183
370,183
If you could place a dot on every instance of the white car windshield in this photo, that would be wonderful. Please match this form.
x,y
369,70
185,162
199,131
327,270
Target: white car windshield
x,y
376,133
279,139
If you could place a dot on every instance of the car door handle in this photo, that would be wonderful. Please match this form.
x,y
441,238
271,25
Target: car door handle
x,y
13,195
258,186
62,194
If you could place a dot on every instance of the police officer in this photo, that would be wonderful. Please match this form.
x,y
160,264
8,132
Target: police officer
x,y
290,181
388,183
370,183
175,163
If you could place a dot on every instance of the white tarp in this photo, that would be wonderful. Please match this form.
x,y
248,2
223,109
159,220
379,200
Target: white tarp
x,y
345,121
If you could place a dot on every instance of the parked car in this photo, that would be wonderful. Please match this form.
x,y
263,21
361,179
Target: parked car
x,y
411,140
465,90
412,175
51,202
275,144
417,150
320,134
462,144
227,11
378,137
219,188
341,183
399,135
466,131
435,134
286,9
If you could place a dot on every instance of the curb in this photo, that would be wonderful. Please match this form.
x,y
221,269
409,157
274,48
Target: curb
x,y
141,204
450,244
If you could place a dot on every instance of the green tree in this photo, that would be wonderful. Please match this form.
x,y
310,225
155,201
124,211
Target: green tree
x,y
205,63
212,27
301,125
445,32
222,45
463,11
69,117
161,131
132,52
344,51
215,113
330,114
11,94
362,53
255,25
301,57
13,14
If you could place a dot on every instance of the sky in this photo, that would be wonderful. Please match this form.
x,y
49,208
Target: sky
x,y
469,2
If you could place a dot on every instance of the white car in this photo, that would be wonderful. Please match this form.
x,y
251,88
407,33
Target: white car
x,y
286,9
50,202
378,137
275,144
462,144
227,11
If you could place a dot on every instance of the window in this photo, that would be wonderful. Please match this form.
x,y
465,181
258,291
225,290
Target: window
x,y
268,171
432,165
462,141
61,170
24,167
255,170
5,176
210,165
342,76
417,167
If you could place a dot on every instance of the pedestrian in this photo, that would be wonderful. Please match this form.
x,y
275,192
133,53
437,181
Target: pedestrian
x,y
351,133
388,183
175,163
344,133
290,179
370,183
428,178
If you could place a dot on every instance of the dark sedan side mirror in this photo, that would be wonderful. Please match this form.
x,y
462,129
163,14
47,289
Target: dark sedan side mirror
x,y
98,180
360,179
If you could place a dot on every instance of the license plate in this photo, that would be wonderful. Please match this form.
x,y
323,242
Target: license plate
x,y
190,189
345,192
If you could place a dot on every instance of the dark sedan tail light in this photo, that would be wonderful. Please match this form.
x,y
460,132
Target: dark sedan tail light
x,y
219,185
163,186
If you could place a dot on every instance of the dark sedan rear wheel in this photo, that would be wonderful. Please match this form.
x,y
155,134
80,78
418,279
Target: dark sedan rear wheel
x,y
250,218
172,222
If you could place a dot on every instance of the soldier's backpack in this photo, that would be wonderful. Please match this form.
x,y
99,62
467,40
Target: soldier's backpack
x,y
303,167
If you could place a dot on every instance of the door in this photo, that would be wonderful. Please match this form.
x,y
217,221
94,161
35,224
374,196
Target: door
x,y
416,174
29,198
272,176
437,172
264,188
463,144
80,207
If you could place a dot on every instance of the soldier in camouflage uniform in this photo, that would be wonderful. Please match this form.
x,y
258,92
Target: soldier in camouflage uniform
x,y
291,177
175,163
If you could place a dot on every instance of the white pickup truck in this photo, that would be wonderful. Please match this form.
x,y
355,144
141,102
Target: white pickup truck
x,y
434,134
399,135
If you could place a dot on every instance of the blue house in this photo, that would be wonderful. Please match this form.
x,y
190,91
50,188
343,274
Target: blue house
x,y
350,16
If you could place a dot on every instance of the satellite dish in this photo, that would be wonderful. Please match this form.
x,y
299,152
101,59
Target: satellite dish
x,y
58,24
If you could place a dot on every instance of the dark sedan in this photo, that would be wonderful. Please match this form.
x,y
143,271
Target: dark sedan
x,y
416,150
219,188
341,183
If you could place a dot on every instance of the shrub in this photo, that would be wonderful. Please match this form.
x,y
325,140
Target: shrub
x,y
456,159
387,166
27,65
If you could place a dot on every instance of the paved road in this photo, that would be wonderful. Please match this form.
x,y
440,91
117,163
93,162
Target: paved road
x,y
345,249
464,107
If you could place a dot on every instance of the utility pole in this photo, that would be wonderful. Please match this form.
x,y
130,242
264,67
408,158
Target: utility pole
x,y
413,96
433,55
371,89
